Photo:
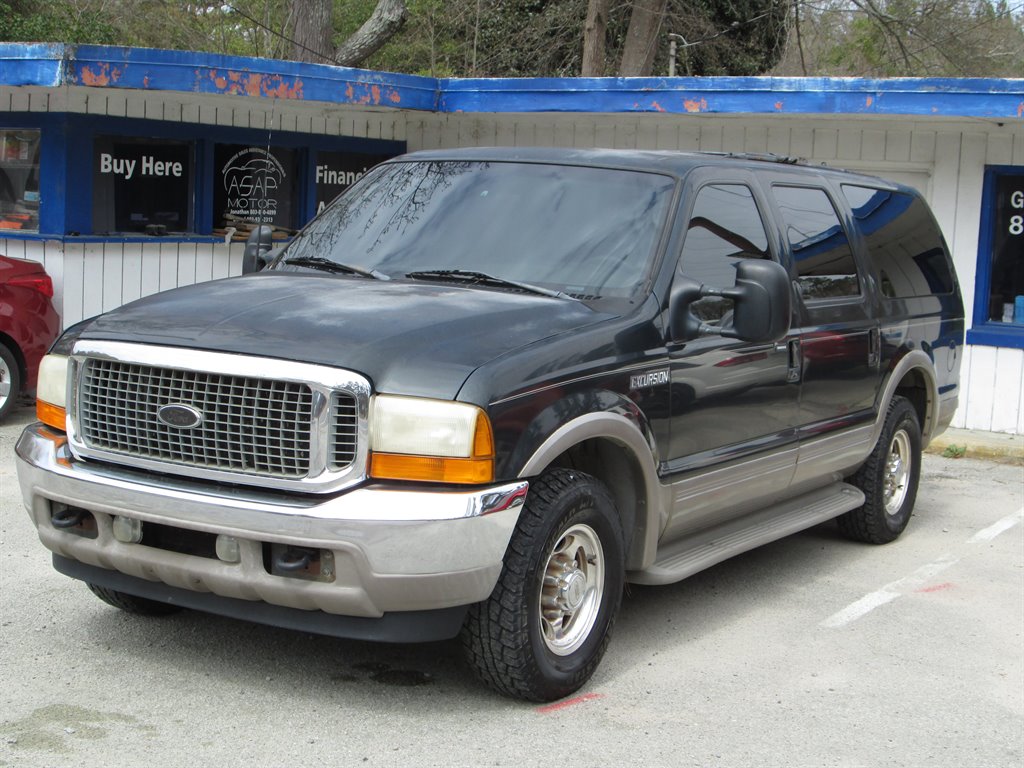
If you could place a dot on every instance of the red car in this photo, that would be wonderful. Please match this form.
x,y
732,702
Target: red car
x,y
28,325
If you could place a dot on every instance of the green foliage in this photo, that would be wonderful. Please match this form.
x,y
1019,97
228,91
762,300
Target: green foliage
x,y
955,451
56,21
903,38
519,38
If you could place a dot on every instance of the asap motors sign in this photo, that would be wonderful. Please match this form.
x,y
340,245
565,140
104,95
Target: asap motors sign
x,y
254,184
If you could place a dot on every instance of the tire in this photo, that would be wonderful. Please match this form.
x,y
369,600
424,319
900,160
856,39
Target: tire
x,y
140,606
888,479
540,638
10,381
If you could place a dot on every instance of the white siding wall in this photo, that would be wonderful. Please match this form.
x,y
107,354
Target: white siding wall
x,y
945,159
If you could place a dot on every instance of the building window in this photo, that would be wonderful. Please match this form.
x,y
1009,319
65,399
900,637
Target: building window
x,y
999,288
255,185
19,181
142,186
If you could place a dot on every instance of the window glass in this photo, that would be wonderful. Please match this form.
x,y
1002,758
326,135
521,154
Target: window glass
x,y
904,244
820,248
590,232
725,226
1006,285
337,171
19,181
142,185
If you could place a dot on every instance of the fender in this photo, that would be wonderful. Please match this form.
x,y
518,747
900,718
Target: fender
x,y
913,360
624,430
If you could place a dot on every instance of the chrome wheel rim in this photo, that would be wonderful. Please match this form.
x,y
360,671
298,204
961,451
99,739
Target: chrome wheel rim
x,y
896,480
571,590
5,382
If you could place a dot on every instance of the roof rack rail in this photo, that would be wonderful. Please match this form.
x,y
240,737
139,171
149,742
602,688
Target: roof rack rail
x,y
768,157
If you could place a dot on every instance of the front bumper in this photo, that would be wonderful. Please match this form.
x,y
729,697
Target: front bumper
x,y
394,550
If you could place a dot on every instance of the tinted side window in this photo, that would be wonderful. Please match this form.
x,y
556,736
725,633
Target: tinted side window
x,y
725,226
904,244
820,248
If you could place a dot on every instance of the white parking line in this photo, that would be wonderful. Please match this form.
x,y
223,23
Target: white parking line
x,y
918,578
1000,526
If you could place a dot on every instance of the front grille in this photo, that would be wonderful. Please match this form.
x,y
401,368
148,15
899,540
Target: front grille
x,y
251,426
344,430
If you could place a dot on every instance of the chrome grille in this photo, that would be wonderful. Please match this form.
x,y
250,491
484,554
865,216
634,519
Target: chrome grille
x,y
250,425
344,430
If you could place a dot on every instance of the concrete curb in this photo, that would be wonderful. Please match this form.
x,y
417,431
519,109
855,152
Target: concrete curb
x,y
980,445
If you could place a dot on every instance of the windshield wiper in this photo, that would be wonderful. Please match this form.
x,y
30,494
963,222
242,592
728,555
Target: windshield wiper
x,y
482,278
329,265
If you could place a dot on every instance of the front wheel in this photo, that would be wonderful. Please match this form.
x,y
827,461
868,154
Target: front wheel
x,y
888,478
132,604
544,629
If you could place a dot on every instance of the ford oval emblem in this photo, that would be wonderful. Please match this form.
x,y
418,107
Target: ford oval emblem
x,y
179,416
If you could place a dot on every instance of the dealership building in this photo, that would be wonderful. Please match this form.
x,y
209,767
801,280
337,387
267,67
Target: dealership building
x,y
131,171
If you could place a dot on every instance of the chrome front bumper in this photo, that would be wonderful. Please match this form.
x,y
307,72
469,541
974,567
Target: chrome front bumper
x,y
394,550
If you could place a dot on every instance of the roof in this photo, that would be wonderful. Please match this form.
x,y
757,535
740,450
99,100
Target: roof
x,y
53,65
673,162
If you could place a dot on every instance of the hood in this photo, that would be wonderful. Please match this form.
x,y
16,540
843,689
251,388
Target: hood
x,y
420,339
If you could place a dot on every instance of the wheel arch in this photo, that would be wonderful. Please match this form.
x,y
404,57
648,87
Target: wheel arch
x,y
612,448
913,377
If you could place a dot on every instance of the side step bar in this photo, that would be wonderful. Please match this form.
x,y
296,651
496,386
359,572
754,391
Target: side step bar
x,y
693,554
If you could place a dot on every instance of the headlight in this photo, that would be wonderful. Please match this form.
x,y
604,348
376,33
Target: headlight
x,y
51,390
430,440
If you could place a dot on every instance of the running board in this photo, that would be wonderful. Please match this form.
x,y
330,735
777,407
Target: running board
x,y
693,554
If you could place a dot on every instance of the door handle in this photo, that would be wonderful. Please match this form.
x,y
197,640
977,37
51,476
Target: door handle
x,y
874,348
794,371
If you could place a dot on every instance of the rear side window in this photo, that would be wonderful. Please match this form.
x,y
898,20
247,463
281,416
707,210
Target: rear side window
x,y
725,227
821,250
904,244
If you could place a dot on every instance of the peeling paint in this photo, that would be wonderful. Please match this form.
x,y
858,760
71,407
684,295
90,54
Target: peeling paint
x,y
375,90
1020,109
657,107
394,96
693,105
778,106
869,101
104,76
235,83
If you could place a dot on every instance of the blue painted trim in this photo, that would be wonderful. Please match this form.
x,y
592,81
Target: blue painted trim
x,y
39,64
161,70
1006,335
110,239
194,72
992,98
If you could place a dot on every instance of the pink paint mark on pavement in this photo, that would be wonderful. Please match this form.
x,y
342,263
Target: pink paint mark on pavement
x,y
569,702
936,588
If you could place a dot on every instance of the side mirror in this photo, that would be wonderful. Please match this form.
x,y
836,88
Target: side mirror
x,y
257,246
762,307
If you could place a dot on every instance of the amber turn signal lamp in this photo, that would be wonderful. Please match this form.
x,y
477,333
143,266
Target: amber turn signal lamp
x,y
51,415
474,470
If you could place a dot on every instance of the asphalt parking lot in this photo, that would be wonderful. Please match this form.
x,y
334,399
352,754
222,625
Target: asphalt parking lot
x,y
812,651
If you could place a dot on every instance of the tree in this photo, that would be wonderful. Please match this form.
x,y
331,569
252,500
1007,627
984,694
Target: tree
x,y
594,30
643,38
313,32
899,38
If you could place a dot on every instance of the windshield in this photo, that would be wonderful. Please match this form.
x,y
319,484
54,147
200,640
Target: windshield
x,y
587,232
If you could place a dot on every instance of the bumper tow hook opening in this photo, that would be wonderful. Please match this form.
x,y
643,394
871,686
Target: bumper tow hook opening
x,y
292,560
68,517
74,520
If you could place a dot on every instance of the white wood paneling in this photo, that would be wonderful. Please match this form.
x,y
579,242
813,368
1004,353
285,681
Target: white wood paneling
x,y
1006,394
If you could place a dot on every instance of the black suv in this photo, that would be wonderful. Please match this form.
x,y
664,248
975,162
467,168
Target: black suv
x,y
487,387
